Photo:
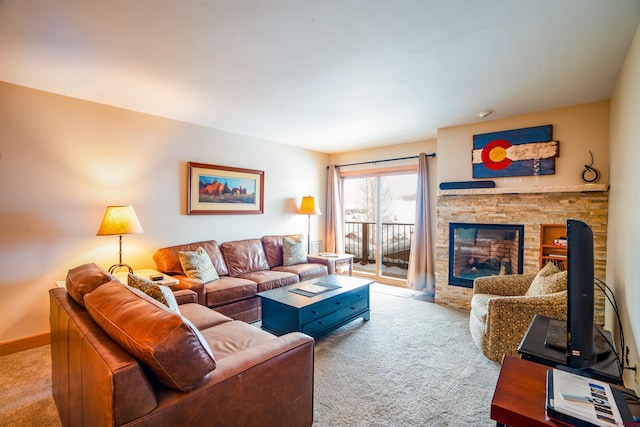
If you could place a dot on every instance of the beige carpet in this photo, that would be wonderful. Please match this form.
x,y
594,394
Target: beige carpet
x,y
412,364
25,389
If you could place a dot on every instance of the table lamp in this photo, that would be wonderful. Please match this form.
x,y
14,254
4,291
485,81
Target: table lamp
x,y
308,207
117,221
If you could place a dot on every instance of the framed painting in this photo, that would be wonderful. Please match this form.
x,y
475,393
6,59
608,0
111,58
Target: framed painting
x,y
224,190
518,152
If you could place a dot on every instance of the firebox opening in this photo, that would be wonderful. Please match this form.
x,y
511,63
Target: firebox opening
x,y
477,250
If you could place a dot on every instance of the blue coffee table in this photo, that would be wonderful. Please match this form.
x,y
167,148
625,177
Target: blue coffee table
x,y
315,307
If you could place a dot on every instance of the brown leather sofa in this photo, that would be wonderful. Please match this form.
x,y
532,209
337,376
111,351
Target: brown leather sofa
x,y
244,267
119,357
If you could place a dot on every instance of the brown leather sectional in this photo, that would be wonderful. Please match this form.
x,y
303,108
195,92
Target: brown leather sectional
x,y
245,267
121,358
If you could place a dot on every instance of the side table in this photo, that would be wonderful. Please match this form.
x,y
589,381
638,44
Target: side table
x,y
332,261
146,273
519,398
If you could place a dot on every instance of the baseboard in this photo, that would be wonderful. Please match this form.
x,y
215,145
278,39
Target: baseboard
x,y
25,343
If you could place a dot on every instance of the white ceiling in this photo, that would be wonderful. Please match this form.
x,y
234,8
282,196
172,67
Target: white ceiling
x,y
327,75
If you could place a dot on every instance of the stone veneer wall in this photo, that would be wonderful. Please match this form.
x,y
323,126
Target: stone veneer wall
x,y
529,209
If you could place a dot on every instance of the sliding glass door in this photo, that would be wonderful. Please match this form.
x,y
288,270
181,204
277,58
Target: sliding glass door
x,y
379,211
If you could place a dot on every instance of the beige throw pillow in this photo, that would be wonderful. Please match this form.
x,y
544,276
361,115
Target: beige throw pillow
x,y
547,281
156,291
198,265
293,251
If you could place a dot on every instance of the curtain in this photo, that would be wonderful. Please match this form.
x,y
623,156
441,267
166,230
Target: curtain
x,y
421,276
333,228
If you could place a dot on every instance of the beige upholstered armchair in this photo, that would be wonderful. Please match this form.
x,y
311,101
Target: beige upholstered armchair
x,y
502,308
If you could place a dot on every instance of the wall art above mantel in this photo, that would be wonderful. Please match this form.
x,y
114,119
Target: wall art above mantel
x,y
224,190
518,152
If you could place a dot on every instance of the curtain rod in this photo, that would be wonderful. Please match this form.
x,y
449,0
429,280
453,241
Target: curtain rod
x,y
384,160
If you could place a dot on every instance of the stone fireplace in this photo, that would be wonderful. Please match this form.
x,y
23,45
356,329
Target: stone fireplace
x,y
530,207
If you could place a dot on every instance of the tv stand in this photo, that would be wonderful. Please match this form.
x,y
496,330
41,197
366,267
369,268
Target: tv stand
x,y
557,338
533,348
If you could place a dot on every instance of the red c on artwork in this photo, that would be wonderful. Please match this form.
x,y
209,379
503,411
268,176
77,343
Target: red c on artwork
x,y
494,155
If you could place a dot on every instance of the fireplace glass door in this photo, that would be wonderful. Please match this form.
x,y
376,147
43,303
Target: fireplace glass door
x,y
477,250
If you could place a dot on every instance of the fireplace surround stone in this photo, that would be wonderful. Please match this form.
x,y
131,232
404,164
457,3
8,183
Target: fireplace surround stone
x,y
555,206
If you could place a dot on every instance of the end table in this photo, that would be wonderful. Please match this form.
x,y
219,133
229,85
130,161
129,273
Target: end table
x,y
332,261
146,273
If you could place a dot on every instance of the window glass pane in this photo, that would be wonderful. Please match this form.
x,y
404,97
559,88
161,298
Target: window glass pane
x,y
380,206
398,207
360,206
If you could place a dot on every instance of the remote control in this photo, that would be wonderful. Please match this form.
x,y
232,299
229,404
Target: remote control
x,y
585,399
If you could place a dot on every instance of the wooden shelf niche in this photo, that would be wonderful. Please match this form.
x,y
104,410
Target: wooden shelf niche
x,y
553,245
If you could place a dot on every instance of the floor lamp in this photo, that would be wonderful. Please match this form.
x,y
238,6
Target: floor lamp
x,y
117,221
308,207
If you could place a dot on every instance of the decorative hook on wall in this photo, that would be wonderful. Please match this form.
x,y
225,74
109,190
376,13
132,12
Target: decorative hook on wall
x,y
590,174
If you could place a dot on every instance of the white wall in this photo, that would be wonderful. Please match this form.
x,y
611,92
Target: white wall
x,y
63,160
623,246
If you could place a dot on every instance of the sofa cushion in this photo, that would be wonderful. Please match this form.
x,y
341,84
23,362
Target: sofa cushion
x,y
549,284
156,291
273,248
233,337
229,289
293,251
271,279
203,317
197,265
538,282
244,256
169,344
305,271
84,279
168,262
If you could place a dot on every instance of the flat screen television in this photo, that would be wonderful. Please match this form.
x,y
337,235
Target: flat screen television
x,y
584,345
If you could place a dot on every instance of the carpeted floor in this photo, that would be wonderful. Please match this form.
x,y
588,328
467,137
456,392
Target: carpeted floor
x,y
412,364
25,389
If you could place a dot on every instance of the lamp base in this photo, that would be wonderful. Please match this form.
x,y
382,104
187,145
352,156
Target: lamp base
x,y
115,267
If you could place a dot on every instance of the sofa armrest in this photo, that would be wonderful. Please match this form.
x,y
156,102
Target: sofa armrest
x,y
508,318
551,305
243,388
195,285
185,296
508,285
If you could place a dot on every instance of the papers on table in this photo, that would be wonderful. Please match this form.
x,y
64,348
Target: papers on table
x,y
313,289
583,401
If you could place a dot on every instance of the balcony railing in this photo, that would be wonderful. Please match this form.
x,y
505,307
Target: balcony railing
x,y
360,241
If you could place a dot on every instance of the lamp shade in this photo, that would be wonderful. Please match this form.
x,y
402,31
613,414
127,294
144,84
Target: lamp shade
x,y
119,220
308,206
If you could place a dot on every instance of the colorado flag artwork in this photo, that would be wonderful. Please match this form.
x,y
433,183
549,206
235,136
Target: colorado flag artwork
x,y
517,152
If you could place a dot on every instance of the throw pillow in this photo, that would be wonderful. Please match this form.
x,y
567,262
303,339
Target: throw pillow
x,y
293,251
548,280
198,265
158,292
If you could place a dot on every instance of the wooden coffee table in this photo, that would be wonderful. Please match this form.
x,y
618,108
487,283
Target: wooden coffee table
x,y
290,308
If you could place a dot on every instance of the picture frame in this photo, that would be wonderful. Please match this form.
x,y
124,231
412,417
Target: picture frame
x,y
224,190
